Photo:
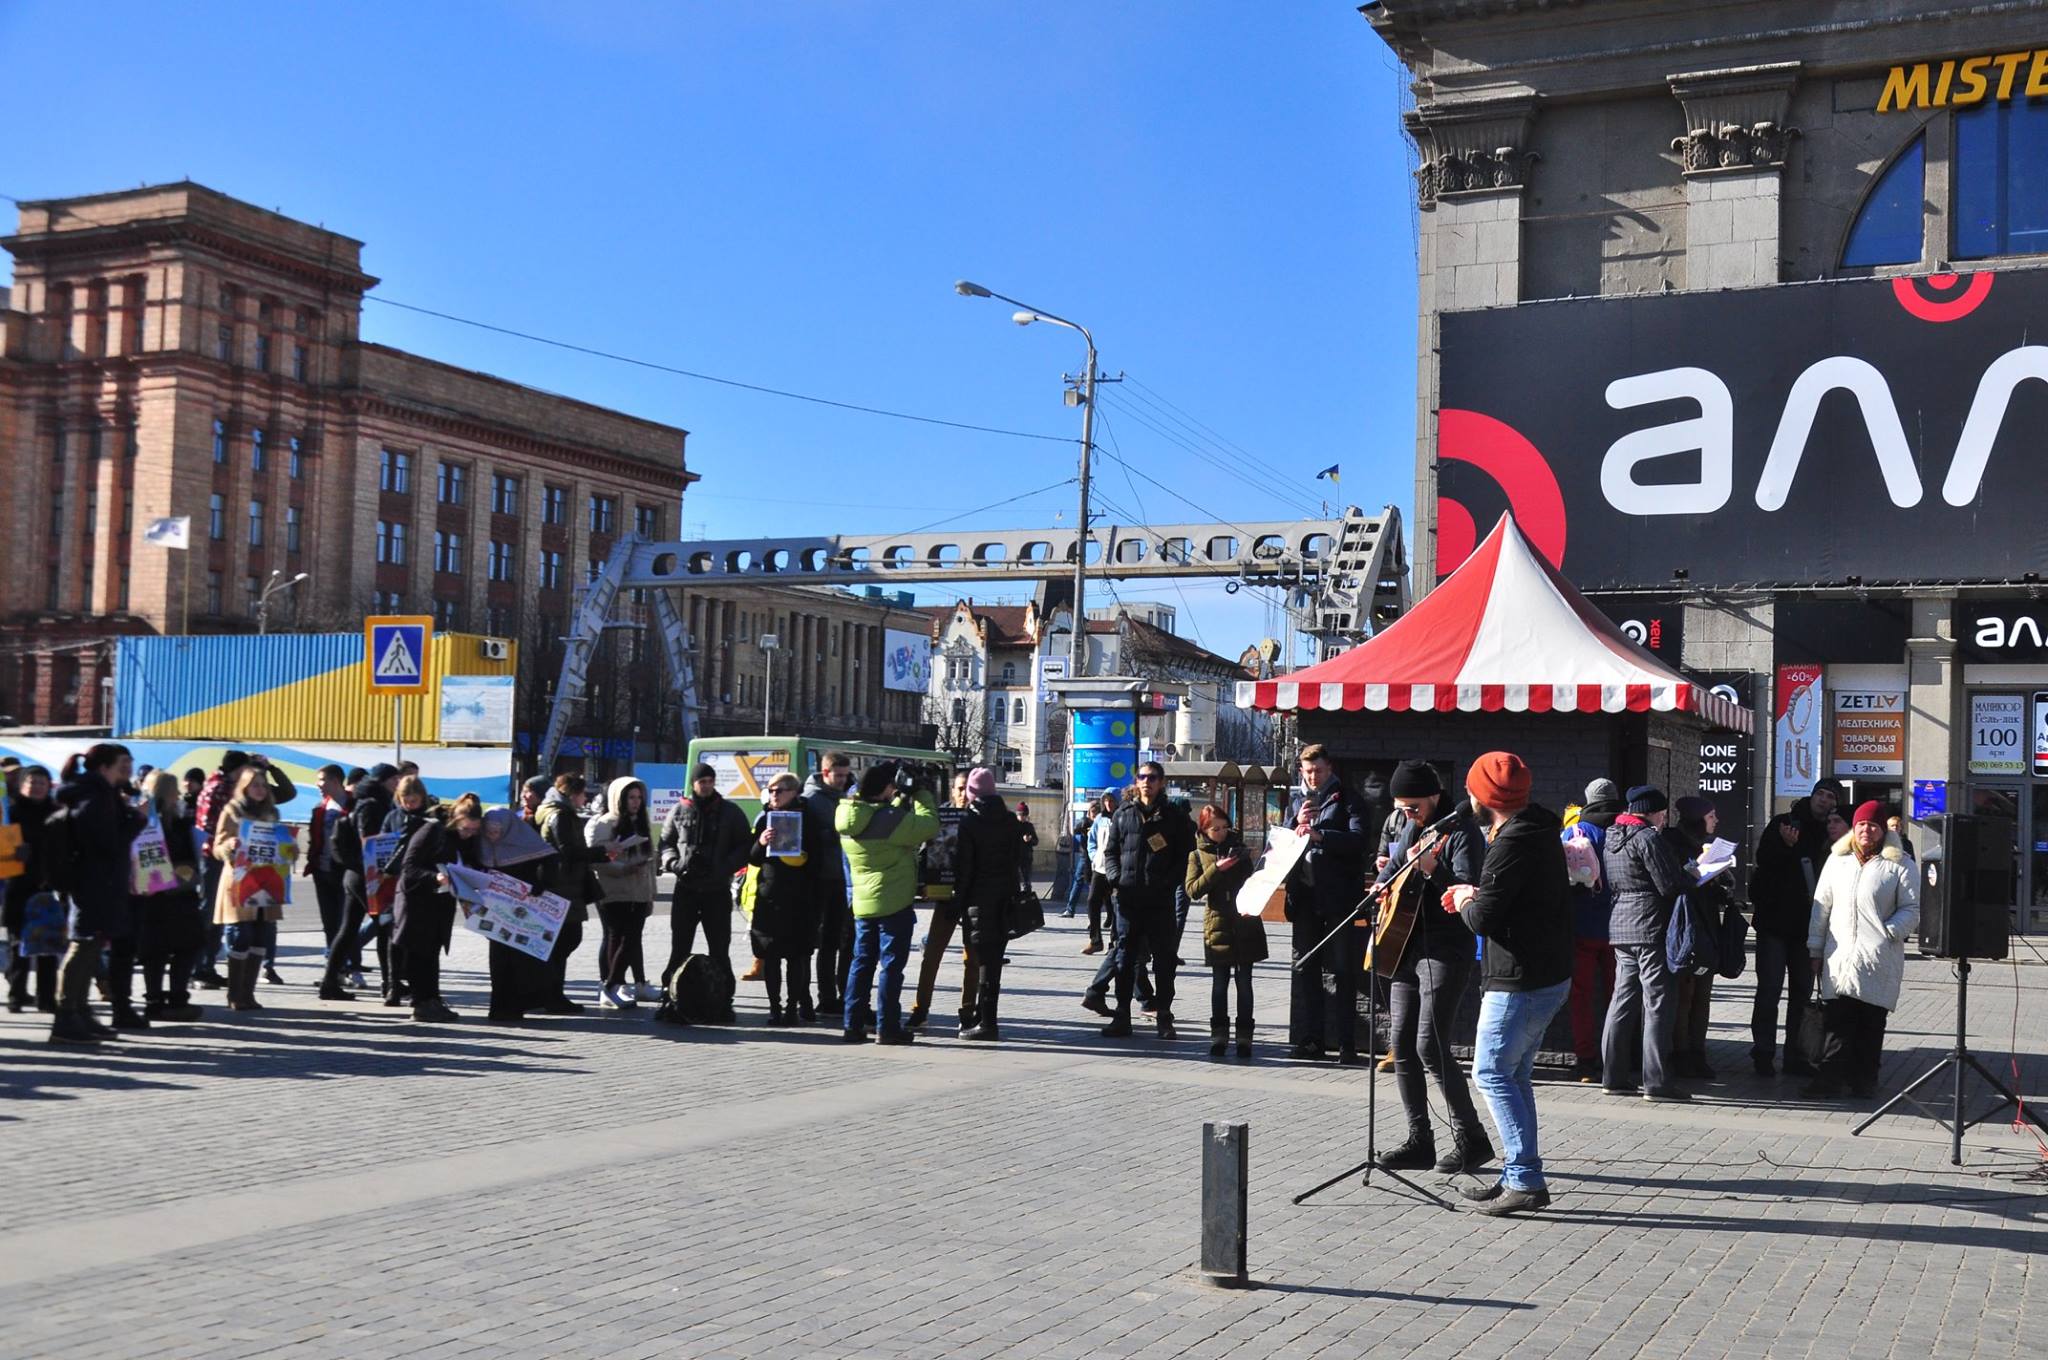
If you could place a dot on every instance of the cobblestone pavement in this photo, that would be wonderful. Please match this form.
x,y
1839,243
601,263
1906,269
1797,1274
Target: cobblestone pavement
x,y
331,1180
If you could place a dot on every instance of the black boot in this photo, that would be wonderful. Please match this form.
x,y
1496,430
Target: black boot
x,y
1244,1039
69,1027
1469,1151
209,979
1417,1154
1219,1035
1164,1021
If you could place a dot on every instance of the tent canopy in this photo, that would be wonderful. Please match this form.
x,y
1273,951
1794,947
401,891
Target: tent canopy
x,y
1503,631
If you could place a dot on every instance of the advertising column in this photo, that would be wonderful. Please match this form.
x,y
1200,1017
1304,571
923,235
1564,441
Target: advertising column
x,y
1104,750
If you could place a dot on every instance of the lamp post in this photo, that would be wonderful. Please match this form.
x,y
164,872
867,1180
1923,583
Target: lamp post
x,y
768,644
275,587
1024,317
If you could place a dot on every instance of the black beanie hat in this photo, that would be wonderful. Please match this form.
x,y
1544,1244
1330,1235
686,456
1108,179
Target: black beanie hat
x,y
1694,809
875,783
1415,779
702,772
1645,799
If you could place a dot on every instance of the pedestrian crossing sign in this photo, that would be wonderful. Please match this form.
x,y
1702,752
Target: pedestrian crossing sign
x,y
395,652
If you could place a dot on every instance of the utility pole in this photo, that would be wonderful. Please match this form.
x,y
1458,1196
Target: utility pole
x,y
1079,660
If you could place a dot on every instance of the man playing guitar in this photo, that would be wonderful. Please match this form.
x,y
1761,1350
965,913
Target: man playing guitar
x,y
1433,959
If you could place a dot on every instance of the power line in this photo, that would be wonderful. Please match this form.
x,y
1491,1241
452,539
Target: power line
x,y
979,509
1144,518
714,378
1147,393
1220,462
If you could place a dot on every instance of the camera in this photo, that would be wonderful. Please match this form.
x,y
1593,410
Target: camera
x,y
907,778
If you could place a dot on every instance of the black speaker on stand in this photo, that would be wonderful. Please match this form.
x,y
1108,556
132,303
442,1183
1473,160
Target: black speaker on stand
x,y
1966,890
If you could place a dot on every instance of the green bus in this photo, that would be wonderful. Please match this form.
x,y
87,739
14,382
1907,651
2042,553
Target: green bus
x,y
745,765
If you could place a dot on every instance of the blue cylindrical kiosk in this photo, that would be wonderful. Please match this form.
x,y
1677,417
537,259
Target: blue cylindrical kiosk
x,y
1105,749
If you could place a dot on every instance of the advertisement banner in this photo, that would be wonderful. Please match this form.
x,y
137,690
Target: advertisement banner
x,y
1796,435
1869,732
1998,725
1725,764
476,709
667,785
743,774
1796,731
906,661
2041,734
1657,626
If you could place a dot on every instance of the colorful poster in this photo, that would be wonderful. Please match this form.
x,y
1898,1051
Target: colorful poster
x,y
1796,733
935,863
477,709
1869,732
744,774
42,927
1997,729
261,863
526,921
380,888
150,862
906,661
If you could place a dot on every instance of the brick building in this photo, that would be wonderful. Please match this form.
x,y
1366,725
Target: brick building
x,y
171,351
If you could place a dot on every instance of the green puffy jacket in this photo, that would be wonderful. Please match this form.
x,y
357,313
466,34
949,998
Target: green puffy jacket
x,y
880,841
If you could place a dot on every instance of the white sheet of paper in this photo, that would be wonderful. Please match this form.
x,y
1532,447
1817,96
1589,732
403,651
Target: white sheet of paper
x,y
1284,849
1718,857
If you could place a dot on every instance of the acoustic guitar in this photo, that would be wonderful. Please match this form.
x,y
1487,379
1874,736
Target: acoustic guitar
x,y
1400,912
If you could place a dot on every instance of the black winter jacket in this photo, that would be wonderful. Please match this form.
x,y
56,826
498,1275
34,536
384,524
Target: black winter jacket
x,y
706,841
1646,875
102,826
985,861
1332,875
424,915
1460,858
1150,870
1522,909
1781,885
785,920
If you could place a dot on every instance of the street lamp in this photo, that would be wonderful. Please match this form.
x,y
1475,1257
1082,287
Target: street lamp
x,y
276,587
769,643
1026,315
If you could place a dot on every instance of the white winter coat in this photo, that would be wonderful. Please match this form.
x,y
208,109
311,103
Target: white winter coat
x,y
1863,915
1098,845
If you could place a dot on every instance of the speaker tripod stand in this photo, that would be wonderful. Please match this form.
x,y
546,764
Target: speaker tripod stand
x,y
1960,1062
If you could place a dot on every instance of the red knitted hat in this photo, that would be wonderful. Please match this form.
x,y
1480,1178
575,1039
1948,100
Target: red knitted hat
x,y
1500,780
1872,811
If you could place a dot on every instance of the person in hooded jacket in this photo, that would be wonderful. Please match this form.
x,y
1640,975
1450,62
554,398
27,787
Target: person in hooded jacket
x,y
508,845
1231,941
1646,875
1428,983
28,803
1865,907
101,823
823,792
173,923
423,919
1781,908
621,842
560,822
987,863
704,842
1698,819
251,936
881,831
784,928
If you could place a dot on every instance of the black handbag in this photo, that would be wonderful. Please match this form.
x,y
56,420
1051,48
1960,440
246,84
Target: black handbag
x,y
1024,914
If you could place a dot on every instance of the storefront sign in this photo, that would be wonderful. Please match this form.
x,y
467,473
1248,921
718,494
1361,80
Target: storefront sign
x,y
2002,630
1869,732
1930,798
1796,733
1656,626
1959,83
1997,724
2041,734
1725,765
1793,435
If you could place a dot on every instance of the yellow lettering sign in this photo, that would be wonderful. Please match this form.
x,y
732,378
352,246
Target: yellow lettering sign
x,y
1962,83
1905,87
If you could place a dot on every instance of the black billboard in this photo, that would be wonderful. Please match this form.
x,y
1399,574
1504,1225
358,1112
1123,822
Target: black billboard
x,y
1726,759
1858,431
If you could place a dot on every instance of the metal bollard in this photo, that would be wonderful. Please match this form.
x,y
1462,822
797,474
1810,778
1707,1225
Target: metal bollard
x,y
1226,1179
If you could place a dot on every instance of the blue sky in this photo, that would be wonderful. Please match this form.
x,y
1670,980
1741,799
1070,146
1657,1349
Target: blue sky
x,y
785,193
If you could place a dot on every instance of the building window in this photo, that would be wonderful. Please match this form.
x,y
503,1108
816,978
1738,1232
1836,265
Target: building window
x,y
1017,710
447,553
294,465
593,569
302,321
220,441
550,569
298,363
252,590
394,472
213,593
504,494
224,343
448,479
500,560
258,461
255,524
291,528
121,591
262,352
134,445
1889,226
391,542
1013,760
554,505
216,517
647,521
447,613
2001,176
959,710
501,620
387,602
604,514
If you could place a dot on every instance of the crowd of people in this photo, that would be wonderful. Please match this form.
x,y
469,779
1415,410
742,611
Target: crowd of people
x,y
1575,913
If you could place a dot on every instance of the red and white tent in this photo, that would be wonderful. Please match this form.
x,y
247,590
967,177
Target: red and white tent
x,y
1504,631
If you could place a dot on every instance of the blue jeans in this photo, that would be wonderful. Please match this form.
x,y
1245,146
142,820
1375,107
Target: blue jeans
x,y
882,941
1077,886
252,937
1511,1025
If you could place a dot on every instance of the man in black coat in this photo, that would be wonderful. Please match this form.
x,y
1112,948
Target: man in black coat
x,y
1811,812
98,825
1150,840
1646,874
1522,911
1428,980
823,791
369,800
704,842
986,862
1781,897
1325,887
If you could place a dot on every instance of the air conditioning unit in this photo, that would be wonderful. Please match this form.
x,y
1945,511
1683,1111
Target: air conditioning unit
x,y
494,649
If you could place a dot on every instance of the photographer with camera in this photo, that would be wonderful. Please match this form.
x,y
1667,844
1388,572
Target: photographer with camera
x,y
880,831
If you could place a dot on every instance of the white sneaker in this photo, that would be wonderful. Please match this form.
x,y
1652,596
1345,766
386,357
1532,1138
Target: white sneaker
x,y
610,998
627,999
649,992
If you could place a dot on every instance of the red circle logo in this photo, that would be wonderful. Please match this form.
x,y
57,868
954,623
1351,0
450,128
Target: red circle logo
x,y
1942,297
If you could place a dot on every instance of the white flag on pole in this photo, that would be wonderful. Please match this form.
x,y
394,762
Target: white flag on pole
x,y
173,532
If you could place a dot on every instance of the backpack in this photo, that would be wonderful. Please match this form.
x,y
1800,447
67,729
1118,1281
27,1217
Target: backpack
x,y
1734,938
698,992
1581,861
1691,940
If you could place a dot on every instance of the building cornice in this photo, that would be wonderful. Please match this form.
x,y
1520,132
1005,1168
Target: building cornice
x,y
362,404
53,248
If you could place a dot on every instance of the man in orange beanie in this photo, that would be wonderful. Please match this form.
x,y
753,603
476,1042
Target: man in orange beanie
x,y
1521,910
